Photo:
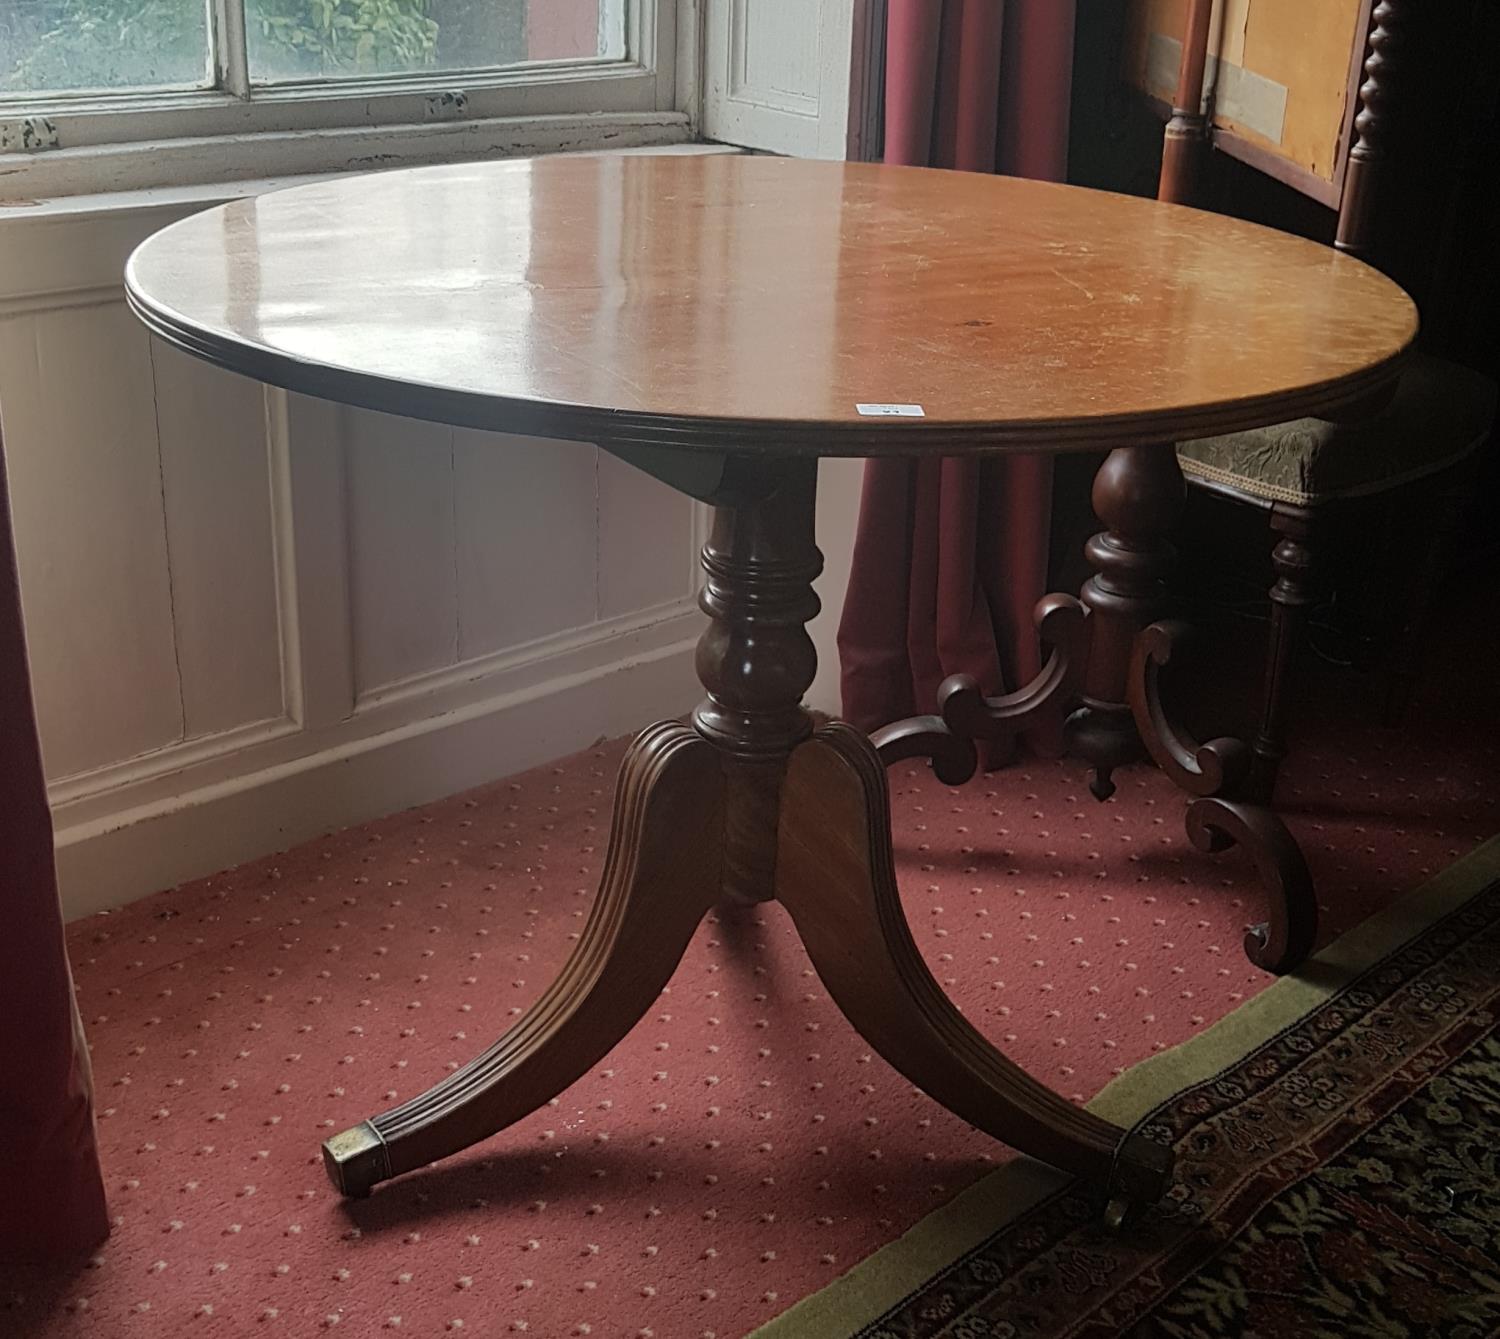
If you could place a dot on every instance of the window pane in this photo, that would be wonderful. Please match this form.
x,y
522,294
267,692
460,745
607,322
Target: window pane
x,y
56,46
293,40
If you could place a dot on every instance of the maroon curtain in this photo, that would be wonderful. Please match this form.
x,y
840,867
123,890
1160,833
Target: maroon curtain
x,y
951,555
52,1202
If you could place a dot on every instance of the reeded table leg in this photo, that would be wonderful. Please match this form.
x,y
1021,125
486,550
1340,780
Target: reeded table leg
x,y
835,874
658,882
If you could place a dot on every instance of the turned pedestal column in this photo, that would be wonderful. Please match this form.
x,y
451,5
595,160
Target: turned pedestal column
x,y
1138,494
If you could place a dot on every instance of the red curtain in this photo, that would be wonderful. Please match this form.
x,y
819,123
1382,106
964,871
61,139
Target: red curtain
x,y
52,1204
951,555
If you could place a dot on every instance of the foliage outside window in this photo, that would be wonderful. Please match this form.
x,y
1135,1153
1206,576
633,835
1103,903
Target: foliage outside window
x,y
102,44
56,46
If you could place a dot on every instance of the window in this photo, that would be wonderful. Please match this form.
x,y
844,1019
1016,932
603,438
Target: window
x,y
186,91
51,47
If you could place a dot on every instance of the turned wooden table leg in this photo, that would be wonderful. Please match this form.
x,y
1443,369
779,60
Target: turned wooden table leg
x,y
1291,597
1138,494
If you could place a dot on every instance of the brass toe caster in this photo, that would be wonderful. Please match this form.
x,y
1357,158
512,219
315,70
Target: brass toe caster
x,y
356,1161
1140,1176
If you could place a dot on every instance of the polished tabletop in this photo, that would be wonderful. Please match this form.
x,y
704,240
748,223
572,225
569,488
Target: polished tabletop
x,y
756,303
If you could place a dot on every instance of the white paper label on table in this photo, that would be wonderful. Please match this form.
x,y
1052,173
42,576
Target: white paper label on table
x,y
891,410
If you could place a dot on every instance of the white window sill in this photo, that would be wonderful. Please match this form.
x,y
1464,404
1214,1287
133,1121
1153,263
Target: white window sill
x,y
216,167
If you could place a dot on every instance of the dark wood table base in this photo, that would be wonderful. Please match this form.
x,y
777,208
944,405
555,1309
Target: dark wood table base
x,y
755,800
1099,698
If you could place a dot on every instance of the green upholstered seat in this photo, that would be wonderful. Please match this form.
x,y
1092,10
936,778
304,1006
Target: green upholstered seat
x,y
1440,413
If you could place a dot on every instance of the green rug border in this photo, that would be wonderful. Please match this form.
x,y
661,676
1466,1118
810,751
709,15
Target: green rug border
x,y
880,1281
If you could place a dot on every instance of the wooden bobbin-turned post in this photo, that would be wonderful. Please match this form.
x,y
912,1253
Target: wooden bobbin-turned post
x,y
1187,130
1367,155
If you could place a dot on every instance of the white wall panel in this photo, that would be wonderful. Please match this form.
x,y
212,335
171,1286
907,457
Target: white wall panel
x,y
310,487
791,76
527,539
255,615
81,447
403,577
216,490
646,547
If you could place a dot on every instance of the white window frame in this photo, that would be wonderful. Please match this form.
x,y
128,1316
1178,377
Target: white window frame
x,y
70,144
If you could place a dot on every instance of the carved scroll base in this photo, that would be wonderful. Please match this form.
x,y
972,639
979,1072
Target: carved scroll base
x,y
1284,940
1101,692
1216,772
1037,712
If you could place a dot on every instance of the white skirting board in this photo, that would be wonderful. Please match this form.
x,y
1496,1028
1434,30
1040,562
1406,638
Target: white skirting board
x,y
194,830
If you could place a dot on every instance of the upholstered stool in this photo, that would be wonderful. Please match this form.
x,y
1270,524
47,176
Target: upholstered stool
x,y
1441,412
1301,470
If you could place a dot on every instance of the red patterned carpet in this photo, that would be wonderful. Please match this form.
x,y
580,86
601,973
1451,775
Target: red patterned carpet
x,y
743,1147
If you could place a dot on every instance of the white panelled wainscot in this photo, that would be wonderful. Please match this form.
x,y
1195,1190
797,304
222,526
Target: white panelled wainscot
x,y
253,616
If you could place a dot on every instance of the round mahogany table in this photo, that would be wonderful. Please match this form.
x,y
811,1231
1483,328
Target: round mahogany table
x,y
721,322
